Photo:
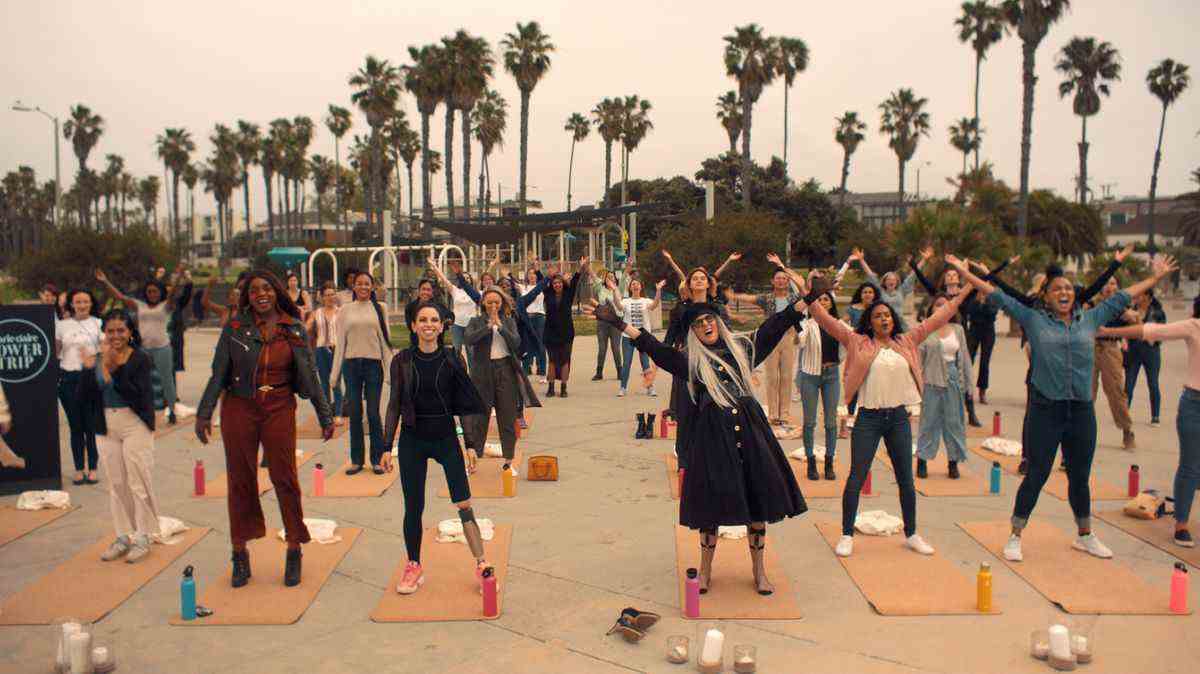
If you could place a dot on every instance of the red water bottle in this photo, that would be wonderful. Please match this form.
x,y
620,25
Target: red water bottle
x,y
1179,588
198,477
866,488
490,608
1135,480
996,423
319,480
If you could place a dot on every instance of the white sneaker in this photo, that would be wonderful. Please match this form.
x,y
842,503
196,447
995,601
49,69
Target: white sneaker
x,y
651,392
918,545
1012,549
1092,545
620,393
116,550
845,546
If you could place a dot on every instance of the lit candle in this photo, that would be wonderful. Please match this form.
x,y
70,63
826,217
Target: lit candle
x,y
1081,648
714,644
679,654
1060,643
79,646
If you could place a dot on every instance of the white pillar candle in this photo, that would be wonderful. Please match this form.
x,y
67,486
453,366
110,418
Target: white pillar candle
x,y
714,644
1060,644
80,650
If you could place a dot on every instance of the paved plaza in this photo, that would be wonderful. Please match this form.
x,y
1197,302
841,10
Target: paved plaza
x,y
598,540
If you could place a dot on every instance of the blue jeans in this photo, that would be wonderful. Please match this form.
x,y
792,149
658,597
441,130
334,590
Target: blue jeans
x,y
1049,423
538,323
942,419
164,364
828,385
1187,476
364,379
324,356
892,426
1143,355
627,350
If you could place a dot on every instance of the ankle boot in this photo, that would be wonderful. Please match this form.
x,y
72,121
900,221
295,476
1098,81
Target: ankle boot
x,y
708,548
982,396
641,429
550,390
599,375
811,473
922,469
291,570
241,568
953,470
971,418
829,474
758,543
563,391
650,426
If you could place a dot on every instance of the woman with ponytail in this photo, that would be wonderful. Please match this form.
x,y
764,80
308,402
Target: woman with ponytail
x,y
362,348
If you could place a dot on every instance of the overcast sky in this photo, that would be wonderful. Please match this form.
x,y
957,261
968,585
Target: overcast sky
x,y
148,65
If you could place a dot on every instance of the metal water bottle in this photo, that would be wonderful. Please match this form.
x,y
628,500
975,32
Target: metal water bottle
x,y
187,595
983,588
996,423
691,602
198,478
490,605
995,482
508,482
1135,480
1179,588
319,480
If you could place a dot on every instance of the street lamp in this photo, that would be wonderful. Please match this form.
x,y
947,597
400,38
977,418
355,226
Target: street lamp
x,y
21,107
919,165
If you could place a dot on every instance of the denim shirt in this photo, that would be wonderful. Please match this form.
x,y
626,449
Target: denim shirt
x,y
1062,354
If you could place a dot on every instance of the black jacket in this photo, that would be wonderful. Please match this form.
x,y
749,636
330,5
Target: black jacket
x,y
132,382
478,337
404,389
235,365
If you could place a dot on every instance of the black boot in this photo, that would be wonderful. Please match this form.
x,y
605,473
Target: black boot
x,y
291,571
829,474
550,390
641,430
953,470
812,473
241,568
563,394
971,418
599,374
649,426
922,469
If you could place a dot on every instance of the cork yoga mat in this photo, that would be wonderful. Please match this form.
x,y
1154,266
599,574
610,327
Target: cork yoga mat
x,y
85,587
218,487
824,488
1159,533
265,600
731,593
1072,579
365,484
450,591
1056,486
16,523
494,430
486,482
672,474
896,581
939,483
308,429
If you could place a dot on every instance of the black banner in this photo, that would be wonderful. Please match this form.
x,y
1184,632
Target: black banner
x,y
29,374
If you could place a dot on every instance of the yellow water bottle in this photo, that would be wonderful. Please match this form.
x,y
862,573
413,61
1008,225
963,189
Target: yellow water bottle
x,y
983,587
508,482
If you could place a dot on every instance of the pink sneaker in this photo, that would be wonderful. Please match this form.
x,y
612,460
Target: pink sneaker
x,y
412,579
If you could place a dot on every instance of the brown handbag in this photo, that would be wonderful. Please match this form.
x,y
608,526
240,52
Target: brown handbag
x,y
542,468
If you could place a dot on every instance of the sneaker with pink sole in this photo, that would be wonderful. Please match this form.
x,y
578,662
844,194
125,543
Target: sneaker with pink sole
x,y
412,579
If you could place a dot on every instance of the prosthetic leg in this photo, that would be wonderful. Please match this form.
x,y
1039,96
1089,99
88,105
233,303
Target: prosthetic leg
x,y
757,540
474,541
708,548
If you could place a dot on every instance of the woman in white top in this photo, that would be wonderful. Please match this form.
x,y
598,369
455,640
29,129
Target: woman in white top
x,y
537,322
362,347
462,304
321,325
76,337
947,370
635,311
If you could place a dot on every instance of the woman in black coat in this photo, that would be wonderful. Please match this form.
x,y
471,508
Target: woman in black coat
x,y
559,334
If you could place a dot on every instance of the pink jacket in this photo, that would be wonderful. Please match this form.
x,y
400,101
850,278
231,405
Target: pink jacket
x,y
861,349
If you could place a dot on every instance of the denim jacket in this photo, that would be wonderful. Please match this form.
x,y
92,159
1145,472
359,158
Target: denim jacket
x,y
1062,354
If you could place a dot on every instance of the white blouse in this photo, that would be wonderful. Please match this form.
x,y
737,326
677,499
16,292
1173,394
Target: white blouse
x,y
464,307
889,383
499,347
950,347
76,336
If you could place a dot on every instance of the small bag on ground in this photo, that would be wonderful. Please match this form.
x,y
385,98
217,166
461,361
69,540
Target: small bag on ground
x,y
543,468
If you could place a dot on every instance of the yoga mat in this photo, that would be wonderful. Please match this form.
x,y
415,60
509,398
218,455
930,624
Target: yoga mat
x,y
939,483
161,427
1056,486
219,488
85,587
897,581
450,591
486,482
672,474
982,432
265,600
824,488
1159,533
1072,579
731,594
16,523
365,484
309,429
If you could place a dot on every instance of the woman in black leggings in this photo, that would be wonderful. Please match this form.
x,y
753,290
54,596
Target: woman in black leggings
x,y
430,386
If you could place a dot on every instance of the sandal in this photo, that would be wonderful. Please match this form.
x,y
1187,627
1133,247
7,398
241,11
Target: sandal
x,y
627,628
643,620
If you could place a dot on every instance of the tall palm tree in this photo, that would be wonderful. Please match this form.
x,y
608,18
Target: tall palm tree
x,y
729,111
1031,19
302,134
608,114
848,133
338,122
1167,81
377,92
981,24
284,136
579,127
270,156
474,66
423,79
491,121
527,59
635,124
407,150
750,59
399,136
111,182
128,191
791,61
83,129
904,119
226,162
1088,66
248,143
965,137
323,173
147,191
191,175
175,148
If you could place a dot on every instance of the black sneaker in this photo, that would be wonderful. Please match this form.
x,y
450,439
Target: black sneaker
x,y
1183,538
597,377
812,473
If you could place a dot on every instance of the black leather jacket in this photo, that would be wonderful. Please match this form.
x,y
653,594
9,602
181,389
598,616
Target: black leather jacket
x,y
235,365
401,410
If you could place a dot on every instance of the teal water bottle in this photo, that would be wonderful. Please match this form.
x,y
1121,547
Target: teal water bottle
x,y
995,486
187,595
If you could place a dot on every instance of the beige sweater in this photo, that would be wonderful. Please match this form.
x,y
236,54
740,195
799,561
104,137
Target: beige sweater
x,y
359,336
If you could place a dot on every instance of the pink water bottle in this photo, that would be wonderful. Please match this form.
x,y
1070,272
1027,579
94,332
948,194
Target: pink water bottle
x,y
1179,588
1135,480
691,602
198,477
318,480
996,423
490,607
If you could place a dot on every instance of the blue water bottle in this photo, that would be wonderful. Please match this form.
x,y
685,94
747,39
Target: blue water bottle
x,y
995,477
187,595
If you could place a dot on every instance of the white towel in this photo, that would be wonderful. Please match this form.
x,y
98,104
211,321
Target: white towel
x,y
732,533
322,531
451,531
169,529
493,449
41,500
1002,446
878,523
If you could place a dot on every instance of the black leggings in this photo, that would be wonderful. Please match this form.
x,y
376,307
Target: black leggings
x,y
983,344
414,456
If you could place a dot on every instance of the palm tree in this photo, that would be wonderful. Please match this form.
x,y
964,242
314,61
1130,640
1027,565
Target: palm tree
x,y
791,60
338,122
377,92
527,59
423,79
579,127
128,190
111,182
399,137
607,115
302,130
226,162
407,149
965,137
175,148
1167,81
270,156
220,175
1088,66
635,124
247,144
190,177
474,65
981,24
323,173
1032,20
147,191
904,119
750,59
848,133
83,129
491,120
729,111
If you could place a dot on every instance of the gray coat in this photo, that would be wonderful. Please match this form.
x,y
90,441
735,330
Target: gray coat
x,y
478,337
934,366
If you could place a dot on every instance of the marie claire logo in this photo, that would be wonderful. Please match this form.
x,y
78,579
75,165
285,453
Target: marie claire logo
x,y
24,351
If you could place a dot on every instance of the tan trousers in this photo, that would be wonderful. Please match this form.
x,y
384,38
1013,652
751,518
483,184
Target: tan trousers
x,y
127,457
779,366
1110,370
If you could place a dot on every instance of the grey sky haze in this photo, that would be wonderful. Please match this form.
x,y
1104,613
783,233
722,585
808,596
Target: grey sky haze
x,y
145,66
